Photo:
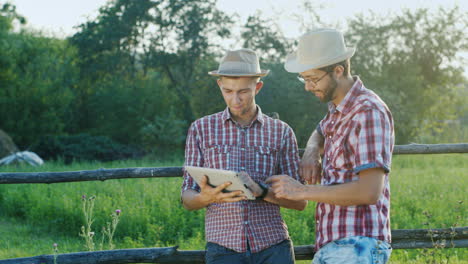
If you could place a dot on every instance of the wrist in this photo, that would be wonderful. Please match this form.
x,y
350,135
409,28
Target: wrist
x,y
264,191
303,192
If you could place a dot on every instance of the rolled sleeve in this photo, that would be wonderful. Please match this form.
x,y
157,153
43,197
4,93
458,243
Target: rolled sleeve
x,y
193,157
374,141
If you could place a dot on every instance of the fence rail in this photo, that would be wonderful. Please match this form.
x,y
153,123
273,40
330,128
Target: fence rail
x,y
402,239
128,173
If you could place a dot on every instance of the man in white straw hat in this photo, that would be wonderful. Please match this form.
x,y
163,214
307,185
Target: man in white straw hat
x,y
242,138
356,139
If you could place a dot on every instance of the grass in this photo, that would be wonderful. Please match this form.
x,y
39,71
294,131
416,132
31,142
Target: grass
x,y
421,185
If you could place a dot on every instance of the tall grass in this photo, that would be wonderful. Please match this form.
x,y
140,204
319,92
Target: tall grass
x,y
152,216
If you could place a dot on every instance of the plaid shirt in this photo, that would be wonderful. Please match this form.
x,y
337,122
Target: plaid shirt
x,y
263,148
358,135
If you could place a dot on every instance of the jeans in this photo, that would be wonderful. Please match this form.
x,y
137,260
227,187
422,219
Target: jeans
x,y
355,249
281,253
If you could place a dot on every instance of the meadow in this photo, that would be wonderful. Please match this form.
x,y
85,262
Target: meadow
x,y
428,191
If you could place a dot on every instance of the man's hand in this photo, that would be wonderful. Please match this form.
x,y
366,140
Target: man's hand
x,y
286,187
250,184
210,195
310,167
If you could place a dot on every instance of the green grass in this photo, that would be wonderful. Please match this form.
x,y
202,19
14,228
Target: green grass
x,y
153,217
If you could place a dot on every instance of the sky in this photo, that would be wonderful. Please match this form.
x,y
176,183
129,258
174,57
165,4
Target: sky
x,y
59,17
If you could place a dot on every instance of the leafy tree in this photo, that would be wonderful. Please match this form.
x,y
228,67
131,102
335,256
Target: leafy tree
x,y
410,60
131,42
184,37
265,37
108,50
37,76
8,16
284,94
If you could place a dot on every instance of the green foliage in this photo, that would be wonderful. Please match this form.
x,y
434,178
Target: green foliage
x,y
129,37
264,36
186,34
82,147
37,78
408,59
163,133
118,106
8,16
137,73
284,94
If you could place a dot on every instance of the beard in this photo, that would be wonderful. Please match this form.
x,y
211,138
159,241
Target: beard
x,y
330,91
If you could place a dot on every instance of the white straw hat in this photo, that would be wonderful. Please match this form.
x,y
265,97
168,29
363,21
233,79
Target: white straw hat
x,y
318,49
239,63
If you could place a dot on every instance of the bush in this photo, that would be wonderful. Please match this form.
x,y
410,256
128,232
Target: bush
x,y
164,133
83,147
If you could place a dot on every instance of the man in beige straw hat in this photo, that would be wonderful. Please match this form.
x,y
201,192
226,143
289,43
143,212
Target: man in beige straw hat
x,y
242,138
356,139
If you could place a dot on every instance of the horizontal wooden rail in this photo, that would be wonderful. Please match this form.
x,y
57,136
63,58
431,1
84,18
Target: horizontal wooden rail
x,y
89,175
402,239
426,149
431,148
156,172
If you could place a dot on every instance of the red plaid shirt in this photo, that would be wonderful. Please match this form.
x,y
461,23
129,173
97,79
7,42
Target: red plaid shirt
x,y
358,135
264,148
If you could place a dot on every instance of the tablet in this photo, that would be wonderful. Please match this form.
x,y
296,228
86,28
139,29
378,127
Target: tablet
x,y
217,177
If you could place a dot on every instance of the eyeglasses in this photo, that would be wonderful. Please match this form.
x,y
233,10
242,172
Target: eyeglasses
x,y
311,81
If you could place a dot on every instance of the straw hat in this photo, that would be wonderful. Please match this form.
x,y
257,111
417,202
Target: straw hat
x,y
317,49
239,63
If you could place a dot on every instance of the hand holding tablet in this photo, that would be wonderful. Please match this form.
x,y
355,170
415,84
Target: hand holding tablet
x,y
217,177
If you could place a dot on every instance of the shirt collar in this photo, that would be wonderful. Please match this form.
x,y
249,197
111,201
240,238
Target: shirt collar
x,y
226,115
347,103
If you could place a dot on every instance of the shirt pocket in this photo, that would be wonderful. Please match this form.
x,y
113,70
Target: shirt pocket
x,y
265,162
219,157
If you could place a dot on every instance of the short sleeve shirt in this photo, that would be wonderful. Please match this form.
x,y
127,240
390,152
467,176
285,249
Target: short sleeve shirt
x,y
263,148
358,135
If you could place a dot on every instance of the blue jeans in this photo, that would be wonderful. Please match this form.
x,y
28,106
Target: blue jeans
x,y
281,253
355,249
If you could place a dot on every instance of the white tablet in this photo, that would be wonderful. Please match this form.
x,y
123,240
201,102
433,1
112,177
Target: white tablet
x,y
217,177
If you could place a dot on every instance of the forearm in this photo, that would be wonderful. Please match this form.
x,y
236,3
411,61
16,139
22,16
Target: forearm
x,y
366,190
290,204
192,200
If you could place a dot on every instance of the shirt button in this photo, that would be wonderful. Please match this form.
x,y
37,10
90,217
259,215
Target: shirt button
x,y
333,122
329,136
242,149
242,168
328,159
246,222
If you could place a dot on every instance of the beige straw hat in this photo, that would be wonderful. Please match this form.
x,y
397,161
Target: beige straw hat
x,y
239,63
317,49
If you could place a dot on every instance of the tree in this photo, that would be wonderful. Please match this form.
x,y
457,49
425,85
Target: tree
x,y
184,37
265,37
410,61
37,76
108,51
284,94
132,41
8,16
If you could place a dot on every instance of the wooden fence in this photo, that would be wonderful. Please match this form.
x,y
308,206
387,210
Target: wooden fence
x,y
401,239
